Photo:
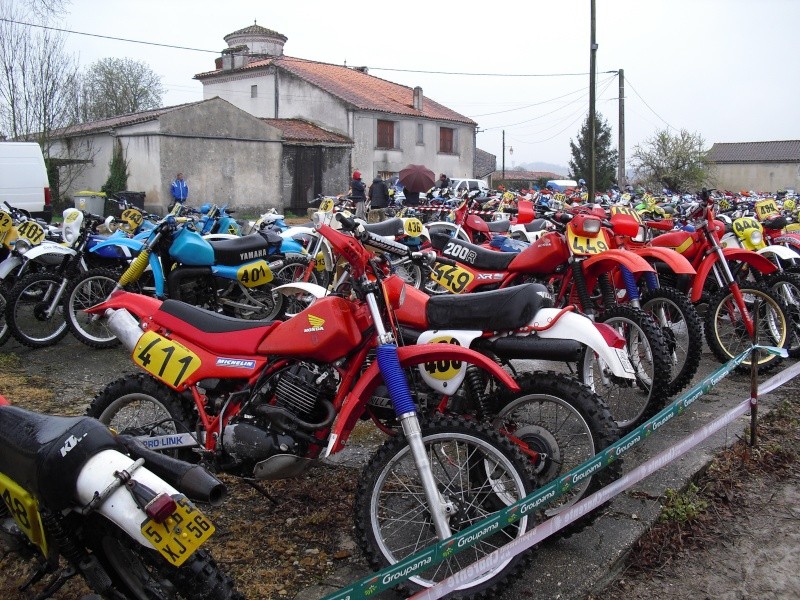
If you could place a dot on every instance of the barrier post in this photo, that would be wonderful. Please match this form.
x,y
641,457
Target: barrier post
x,y
754,376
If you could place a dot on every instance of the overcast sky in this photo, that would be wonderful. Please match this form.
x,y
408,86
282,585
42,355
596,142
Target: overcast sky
x,y
726,69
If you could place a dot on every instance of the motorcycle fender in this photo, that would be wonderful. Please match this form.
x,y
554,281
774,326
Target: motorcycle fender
x,y
136,304
572,326
41,250
9,264
302,287
119,508
134,244
674,260
409,356
608,260
753,259
447,379
781,252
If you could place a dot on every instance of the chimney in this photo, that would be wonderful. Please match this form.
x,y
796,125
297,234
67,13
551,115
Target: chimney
x,y
418,99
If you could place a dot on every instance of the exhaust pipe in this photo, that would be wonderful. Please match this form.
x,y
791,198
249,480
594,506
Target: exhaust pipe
x,y
124,326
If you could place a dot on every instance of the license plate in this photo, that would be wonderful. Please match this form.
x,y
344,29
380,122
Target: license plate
x,y
181,534
626,361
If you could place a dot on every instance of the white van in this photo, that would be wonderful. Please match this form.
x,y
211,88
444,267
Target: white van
x,y
466,185
23,179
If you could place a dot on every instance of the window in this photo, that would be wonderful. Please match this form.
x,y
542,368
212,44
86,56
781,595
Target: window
x,y
446,135
385,134
254,91
420,139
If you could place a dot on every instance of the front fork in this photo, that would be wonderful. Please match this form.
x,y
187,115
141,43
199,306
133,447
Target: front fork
x,y
722,272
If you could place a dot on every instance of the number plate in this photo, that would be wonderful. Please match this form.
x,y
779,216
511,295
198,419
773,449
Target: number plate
x,y
5,224
31,231
452,277
412,227
326,205
181,534
617,209
254,274
132,218
25,511
165,359
625,360
766,208
580,244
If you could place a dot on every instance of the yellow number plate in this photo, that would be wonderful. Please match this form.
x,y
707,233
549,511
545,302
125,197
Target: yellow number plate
x,y
31,231
165,359
181,534
5,223
617,209
412,227
454,278
443,370
132,218
745,225
766,208
25,511
326,205
254,274
792,227
585,245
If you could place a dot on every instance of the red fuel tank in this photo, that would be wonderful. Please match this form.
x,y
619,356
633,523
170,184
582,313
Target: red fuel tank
x,y
684,242
542,256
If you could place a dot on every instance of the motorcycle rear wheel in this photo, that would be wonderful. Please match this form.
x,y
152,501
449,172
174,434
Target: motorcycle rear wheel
x,y
4,331
475,468
727,336
786,286
631,401
143,574
26,308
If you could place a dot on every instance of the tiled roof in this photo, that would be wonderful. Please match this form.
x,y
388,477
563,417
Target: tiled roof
x,y
483,164
781,151
119,120
256,30
297,130
355,87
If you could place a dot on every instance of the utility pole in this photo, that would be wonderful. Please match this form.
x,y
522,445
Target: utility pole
x,y
621,180
592,128
504,154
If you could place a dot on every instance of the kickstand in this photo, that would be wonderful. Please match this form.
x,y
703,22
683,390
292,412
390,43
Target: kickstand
x,y
58,581
261,491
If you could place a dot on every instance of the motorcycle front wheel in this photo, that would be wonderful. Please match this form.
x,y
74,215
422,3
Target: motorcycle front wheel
x,y
4,332
477,471
726,333
35,312
786,286
140,573
631,401
89,289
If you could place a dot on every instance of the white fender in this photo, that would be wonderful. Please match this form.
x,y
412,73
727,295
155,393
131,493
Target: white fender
x,y
446,377
119,508
782,252
571,326
53,249
220,236
9,264
302,287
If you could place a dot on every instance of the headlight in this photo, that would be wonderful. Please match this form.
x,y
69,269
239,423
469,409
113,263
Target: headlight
x,y
22,245
591,225
756,237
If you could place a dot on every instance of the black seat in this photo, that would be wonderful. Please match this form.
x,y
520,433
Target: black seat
x,y
390,227
206,320
476,256
45,453
249,247
497,310
499,226
777,222
537,225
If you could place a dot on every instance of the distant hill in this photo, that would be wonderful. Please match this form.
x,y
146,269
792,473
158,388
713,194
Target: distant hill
x,y
542,166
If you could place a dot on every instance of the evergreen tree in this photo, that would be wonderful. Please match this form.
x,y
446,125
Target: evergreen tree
x,y
118,171
605,156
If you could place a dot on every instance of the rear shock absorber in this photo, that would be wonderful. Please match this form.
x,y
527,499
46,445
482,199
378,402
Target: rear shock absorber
x,y
476,387
580,287
630,285
607,291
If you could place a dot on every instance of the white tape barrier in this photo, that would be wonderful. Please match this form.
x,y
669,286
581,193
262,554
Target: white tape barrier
x,y
561,520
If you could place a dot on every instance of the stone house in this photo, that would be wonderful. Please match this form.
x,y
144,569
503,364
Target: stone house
x,y
760,166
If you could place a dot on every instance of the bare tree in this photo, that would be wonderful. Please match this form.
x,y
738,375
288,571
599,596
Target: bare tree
x,y
677,162
118,86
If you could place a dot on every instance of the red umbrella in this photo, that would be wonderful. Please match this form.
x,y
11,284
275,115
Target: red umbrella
x,y
416,178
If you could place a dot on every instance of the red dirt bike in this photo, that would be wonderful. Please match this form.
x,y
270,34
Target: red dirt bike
x,y
268,400
728,321
575,262
466,222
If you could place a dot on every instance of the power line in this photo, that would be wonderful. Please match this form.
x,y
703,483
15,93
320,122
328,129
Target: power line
x,y
628,82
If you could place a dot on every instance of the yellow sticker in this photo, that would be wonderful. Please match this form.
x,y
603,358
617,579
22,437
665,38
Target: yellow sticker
x,y
326,205
443,370
583,245
31,231
452,277
5,222
132,218
167,360
183,532
412,227
766,208
25,511
254,274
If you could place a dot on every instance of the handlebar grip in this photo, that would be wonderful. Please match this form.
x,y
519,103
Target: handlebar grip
x,y
348,224
446,261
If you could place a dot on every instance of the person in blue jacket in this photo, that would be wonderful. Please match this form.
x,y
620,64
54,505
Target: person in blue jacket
x,y
180,191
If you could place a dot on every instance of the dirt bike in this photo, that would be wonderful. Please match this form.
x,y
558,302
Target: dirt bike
x,y
573,261
79,500
268,400
728,321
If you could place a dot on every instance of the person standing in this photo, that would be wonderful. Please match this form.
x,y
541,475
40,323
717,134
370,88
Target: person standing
x,y
444,182
358,194
378,200
179,189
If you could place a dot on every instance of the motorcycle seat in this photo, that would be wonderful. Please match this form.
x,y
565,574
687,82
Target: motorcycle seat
x,y
537,225
499,226
496,310
215,329
240,250
44,453
777,222
477,256
388,228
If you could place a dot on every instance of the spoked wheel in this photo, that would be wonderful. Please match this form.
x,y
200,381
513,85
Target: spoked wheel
x,y
477,473
558,423
410,272
4,331
727,335
34,311
631,401
90,289
682,329
786,287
